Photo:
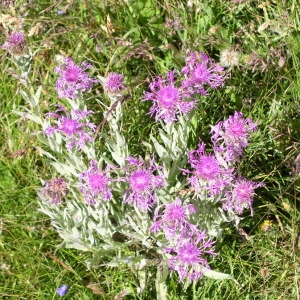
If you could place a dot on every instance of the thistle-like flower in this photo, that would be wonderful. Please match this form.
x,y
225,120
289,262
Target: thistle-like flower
x,y
200,71
72,127
73,79
95,185
241,195
185,242
173,221
15,44
55,190
231,136
189,261
114,83
208,172
169,101
142,183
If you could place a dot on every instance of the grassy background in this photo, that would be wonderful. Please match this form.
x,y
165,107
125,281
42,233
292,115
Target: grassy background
x,y
142,39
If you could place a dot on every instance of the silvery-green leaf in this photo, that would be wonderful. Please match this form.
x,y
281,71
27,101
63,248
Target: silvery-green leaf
x,y
148,145
134,235
118,159
160,282
42,139
106,159
54,142
117,261
64,169
29,116
160,150
96,259
76,161
101,79
77,245
90,152
26,96
142,276
42,151
217,275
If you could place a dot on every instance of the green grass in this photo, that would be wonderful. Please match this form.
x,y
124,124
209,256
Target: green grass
x,y
140,46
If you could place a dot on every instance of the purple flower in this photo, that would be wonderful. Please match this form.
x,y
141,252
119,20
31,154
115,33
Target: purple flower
x,y
73,79
208,172
188,260
174,220
62,290
114,83
95,185
241,195
231,136
201,71
142,183
55,190
185,242
15,43
72,127
168,99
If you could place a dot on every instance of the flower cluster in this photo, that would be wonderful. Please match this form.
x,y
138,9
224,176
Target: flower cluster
x,y
72,127
15,44
215,172
142,183
95,185
186,243
179,227
231,136
73,79
172,96
55,190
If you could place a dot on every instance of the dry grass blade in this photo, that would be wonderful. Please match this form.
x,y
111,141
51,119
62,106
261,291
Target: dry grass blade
x,y
122,295
96,288
55,258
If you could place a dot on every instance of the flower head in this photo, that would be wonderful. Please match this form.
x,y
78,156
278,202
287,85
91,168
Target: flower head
x,y
229,58
114,83
73,79
168,99
55,190
231,136
173,221
266,225
184,241
142,183
72,126
201,71
95,184
188,257
62,290
208,172
15,44
241,195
